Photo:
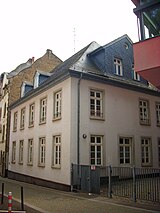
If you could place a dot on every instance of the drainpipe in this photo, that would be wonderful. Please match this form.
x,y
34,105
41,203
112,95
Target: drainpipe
x,y
78,122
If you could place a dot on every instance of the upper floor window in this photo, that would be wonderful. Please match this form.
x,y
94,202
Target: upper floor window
x,y
43,110
96,104
31,114
21,151
42,151
158,113
57,105
15,119
22,121
56,161
96,150
118,67
5,109
125,150
144,112
146,152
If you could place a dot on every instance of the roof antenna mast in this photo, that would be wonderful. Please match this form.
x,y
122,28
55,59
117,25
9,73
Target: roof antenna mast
x,y
74,35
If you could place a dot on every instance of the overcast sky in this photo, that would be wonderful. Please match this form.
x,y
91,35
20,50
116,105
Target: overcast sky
x,y
30,27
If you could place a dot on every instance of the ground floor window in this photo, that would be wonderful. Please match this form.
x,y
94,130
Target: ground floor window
x,y
146,151
56,159
13,151
125,150
30,152
42,151
96,150
21,151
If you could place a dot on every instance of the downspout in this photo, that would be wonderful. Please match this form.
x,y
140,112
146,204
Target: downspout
x,y
78,122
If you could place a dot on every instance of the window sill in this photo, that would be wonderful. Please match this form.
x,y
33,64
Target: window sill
x,y
97,118
29,164
15,130
41,165
20,163
41,123
145,124
31,125
146,165
13,162
56,167
57,118
21,128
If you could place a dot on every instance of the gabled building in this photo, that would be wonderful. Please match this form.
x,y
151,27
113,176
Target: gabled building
x,y
11,92
92,110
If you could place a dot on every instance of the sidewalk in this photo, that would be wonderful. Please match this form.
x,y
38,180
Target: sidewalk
x,y
45,200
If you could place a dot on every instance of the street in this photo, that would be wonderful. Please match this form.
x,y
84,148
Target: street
x,y
46,200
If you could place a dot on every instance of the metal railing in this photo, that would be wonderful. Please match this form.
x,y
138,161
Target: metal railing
x,y
131,182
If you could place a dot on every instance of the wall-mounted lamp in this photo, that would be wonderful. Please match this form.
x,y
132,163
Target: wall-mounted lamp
x,y
84,136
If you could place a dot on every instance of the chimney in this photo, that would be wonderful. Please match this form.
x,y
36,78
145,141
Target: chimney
x,y
49,52
32,60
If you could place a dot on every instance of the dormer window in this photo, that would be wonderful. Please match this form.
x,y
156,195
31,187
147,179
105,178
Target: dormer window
x,y
36,80
136,76
118,67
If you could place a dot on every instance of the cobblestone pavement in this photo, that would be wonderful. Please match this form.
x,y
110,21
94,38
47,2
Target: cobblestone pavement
x,y
39,199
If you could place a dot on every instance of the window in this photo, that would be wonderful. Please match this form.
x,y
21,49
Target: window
x,y
96,104
5,109
159,151
125,150
118,67
13,151
42,151
146,151
30,152
144,112
136,76
21,152
57,105
43,110
3,134
15,121
56,161
31,114
158,113
22,121
96,150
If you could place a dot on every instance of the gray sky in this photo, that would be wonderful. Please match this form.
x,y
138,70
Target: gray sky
x,y
30,27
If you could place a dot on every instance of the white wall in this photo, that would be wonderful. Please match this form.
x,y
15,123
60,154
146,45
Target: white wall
x,y
49,129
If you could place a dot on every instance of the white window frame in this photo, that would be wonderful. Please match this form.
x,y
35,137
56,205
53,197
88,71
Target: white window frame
x,y
22,121
42,151
125,150
14,152
30,152
96,150
144,112
57,97
31,114
146,151
158,113
21,144
136,76
56,157
43,110
96,104
118,67
15,121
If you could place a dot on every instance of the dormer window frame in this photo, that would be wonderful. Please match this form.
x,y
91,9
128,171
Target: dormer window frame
x,y
118,68
36,80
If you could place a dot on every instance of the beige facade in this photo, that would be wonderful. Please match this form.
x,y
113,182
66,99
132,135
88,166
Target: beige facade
x,y
120,119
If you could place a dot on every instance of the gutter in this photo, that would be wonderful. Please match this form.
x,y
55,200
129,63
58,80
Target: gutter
x,y
78,120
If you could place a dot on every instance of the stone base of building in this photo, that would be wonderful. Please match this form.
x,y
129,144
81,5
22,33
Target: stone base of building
x,y
38,181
